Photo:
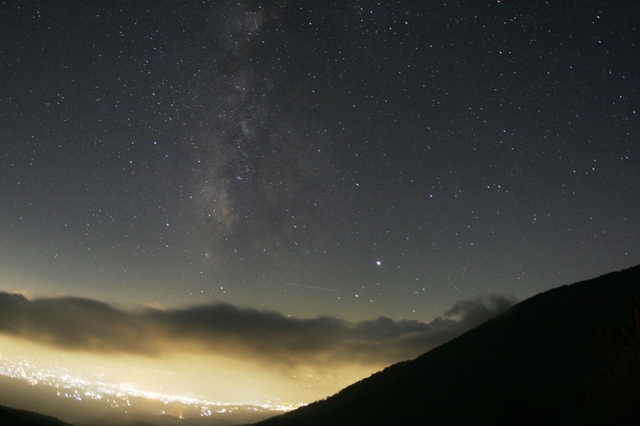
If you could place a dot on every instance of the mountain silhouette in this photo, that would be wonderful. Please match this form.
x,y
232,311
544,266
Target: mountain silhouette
x,y
14,417
570,355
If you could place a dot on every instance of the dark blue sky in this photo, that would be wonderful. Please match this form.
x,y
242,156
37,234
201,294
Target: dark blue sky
x,y
348,158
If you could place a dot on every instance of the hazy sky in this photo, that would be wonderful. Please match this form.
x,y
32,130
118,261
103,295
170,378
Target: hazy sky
x,y
295,170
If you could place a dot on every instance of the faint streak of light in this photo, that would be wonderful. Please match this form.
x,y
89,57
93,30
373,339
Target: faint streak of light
x,y
311,287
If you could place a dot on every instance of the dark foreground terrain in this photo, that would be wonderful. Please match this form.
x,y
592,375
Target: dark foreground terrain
x,y
13,417
570,355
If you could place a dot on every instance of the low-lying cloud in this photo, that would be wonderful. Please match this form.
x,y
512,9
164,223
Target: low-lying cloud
x,y
265,337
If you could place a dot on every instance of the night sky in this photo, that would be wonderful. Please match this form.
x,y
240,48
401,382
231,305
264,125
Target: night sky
x,y
342,159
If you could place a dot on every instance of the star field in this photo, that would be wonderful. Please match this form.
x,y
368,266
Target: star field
x,y
349,158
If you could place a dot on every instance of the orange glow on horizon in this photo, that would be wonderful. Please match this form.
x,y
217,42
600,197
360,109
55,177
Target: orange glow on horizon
x,y
186,378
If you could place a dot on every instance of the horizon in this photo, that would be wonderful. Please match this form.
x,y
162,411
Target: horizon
x,y
231,346
91,384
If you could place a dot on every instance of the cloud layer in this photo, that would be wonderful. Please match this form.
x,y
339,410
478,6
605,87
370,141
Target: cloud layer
x,y
265,337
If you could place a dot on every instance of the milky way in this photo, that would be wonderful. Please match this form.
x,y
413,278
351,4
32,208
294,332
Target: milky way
x,y
404,155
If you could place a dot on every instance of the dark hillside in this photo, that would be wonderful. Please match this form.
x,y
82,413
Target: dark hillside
x,y
13,417
542,362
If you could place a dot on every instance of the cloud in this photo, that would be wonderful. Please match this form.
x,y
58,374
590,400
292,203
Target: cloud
x,y
264,337
476,311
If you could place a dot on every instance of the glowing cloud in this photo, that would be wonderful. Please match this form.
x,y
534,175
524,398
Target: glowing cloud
x,y
263,337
